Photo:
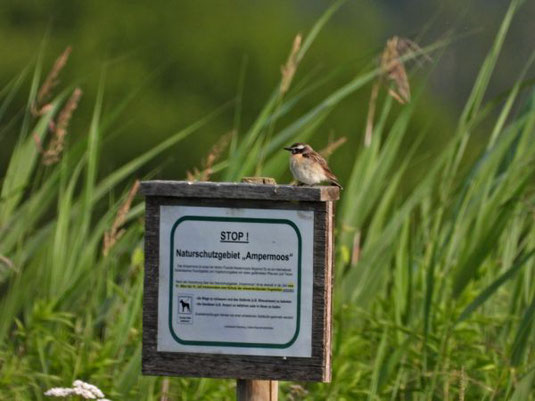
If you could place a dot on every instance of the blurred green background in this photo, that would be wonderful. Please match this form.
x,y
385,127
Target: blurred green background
x,y
435,244
181,60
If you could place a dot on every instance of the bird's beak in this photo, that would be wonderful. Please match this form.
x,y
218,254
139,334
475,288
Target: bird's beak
x,y
289,149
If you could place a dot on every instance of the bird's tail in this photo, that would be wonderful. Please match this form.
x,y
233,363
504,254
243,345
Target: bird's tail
x,y
335,182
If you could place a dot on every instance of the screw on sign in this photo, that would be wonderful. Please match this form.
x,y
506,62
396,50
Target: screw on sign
x,y
238,282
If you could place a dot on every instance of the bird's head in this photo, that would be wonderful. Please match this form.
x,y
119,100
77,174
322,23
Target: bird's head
x,y
297,148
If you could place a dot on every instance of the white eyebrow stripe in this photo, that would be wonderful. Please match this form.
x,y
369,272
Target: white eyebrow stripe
x,y
300,147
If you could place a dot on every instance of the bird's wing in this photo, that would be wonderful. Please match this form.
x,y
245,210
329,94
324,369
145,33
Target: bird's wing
x,y
317,158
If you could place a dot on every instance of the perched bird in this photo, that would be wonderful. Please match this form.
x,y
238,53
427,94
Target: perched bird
x,y
308,167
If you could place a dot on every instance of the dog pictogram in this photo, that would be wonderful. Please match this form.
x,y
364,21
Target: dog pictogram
x,y
185,306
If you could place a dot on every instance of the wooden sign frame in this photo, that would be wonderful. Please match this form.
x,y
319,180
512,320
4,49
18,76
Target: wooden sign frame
x,y
319,200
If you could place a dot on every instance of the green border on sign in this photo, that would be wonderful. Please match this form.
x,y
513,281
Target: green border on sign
x,y
242,220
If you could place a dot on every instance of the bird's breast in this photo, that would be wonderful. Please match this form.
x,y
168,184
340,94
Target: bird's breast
x,y
306,170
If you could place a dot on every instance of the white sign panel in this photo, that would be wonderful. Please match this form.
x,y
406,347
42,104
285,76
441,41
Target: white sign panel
x,y
235,281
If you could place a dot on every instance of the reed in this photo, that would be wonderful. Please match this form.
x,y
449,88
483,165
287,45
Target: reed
x,y
435,284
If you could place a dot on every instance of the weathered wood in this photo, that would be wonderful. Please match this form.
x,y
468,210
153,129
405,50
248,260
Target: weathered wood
x,y
259,180
315,368
230,190
257,390
328,287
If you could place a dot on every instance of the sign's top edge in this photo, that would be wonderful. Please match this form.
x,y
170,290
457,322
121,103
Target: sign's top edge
x,y
233,190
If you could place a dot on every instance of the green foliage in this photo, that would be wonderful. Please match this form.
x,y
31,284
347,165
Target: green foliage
x,y
435,286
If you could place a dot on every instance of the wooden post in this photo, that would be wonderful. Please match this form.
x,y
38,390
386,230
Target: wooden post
x,y
257,390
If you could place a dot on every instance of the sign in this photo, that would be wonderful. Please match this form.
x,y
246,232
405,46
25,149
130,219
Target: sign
x,y
235,281
238,280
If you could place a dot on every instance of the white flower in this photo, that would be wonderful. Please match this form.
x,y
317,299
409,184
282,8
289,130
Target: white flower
x,y
82,392
83,389
59,392
94,390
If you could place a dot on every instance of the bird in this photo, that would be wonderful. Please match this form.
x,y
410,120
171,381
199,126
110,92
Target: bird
x,y
308,167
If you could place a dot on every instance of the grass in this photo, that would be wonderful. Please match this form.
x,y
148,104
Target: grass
x,y
435,284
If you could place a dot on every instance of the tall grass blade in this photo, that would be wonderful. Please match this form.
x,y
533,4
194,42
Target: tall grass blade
x,y
491,289
522,344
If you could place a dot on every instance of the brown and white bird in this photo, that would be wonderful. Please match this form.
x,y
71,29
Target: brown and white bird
x,y
308,167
